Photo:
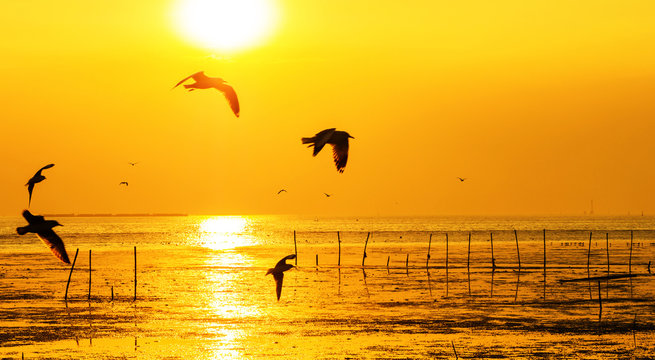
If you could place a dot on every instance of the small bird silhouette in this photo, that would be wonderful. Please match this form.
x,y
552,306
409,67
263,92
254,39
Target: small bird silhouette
x,y
205,82
278,273
327,195
43,229
461,179
37,178
339,142
123,183
133,163
281,191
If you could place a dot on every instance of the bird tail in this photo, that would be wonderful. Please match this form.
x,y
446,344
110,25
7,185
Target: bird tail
x,y
270,271
21,230
307,140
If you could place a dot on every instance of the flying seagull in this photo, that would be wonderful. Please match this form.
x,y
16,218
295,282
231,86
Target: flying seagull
x,y
123,183
339,142
205,82
37,178
278,273
133,163
43,228
281,191
461,179
327,195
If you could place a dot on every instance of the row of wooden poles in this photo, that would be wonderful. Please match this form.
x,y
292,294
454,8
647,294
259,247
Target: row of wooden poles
x,y
468,260
89,294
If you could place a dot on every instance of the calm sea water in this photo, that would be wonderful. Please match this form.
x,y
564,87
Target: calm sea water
x,y
202,292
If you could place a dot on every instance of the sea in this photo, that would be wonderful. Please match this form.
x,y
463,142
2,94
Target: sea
x,y
195,287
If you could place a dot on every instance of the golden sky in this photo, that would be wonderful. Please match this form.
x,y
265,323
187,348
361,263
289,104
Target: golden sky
x,y
542,105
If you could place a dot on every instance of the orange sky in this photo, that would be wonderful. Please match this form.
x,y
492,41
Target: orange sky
x,y
544,106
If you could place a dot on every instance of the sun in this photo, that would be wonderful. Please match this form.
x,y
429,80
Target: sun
x,y
225,25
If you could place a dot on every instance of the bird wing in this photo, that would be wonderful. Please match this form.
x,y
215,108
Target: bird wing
x,y
231,97
321,139
43,168
200,75
284,260
33,219
30,187
340,154
281,191
279,278
53,241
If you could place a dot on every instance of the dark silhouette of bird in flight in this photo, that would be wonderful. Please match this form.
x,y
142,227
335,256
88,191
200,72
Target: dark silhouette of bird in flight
x,y
339,142
43,229
133,163
461,179
278,273
327,195
205,82
123,183
281,191
37,178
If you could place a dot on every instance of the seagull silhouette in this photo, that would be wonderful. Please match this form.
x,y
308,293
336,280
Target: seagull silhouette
x,y
327,195
278,273
123,183
205,82
37,178
133,163
461,179
339,142
281,191
43,229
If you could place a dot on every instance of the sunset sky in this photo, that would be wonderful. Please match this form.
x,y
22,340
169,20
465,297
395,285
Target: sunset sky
x,y
543,105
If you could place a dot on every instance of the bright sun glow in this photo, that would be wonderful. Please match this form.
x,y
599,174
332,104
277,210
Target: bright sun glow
x,y
226,25
222,233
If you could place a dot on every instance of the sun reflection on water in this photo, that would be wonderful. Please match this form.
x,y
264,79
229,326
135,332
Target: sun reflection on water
x,y
224,232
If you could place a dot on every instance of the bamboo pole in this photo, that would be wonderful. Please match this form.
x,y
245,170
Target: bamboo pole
x,y
455,350
135,273
70,274
295,248
407,262
630,258
446,257
589,257
89,297
607,250
112,293
365,245
316,260
518,254
339,241
544,264
427,262
388,258
600,304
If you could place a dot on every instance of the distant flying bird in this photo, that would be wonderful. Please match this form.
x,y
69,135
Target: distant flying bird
x,y
339,142
133,163
43,229
283,190
37,178
205,82
327,195
461,179
123,183
278,273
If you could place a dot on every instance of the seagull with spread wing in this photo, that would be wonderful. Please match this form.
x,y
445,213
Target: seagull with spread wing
x,y
205,82
339,142
123,183
281,191
278,273
37,178
43,229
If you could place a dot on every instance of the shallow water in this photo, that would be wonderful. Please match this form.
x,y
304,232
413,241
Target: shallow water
x,y
202,292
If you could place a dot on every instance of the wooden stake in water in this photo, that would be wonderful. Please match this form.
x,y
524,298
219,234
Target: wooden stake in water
x,y
544,264
446,257
365,244
427,261
112,293
600,304
493,259
630,258
316,260
468,256
89,298
135,274
339,241
295,248
388,258
589,257
455,350
518,254
407,262
70,274
607,250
